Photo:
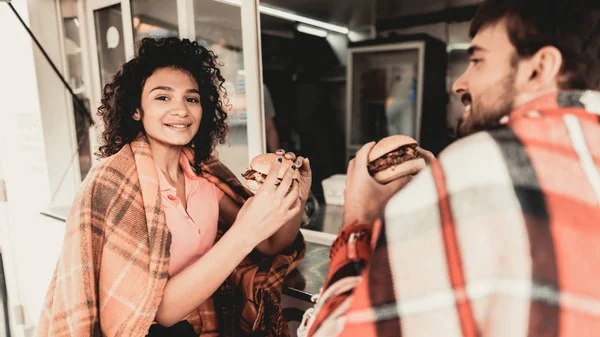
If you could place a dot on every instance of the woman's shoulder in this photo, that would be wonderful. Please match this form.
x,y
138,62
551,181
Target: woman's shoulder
x,y
104,184
114,168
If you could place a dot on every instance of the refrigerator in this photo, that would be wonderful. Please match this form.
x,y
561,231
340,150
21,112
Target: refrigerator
x,y
397,85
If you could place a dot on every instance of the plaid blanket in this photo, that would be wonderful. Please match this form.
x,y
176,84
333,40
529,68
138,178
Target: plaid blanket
x,y
498,238
113,268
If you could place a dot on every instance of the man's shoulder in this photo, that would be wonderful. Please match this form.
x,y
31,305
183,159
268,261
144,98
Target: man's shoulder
x,y
477,147
486,155
472,156
475,162
473,175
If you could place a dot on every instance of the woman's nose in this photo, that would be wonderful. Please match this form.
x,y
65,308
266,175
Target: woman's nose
x,y
180,109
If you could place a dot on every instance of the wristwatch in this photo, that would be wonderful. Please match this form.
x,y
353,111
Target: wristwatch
x,y
354,240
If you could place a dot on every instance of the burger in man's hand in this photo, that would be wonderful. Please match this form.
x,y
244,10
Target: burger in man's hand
x,y
259,168
394,157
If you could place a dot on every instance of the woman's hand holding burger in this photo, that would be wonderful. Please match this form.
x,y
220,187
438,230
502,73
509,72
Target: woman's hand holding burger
x,y
304,172
275,203
281,183
260,165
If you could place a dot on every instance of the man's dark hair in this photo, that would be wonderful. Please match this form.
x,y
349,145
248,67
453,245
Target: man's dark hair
x,y
572,26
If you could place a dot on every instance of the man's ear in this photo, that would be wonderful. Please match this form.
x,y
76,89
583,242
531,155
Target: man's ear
x,y
544,67
137,115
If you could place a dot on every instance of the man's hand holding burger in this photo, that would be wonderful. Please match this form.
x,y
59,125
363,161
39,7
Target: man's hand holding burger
x,y
374,176
364,197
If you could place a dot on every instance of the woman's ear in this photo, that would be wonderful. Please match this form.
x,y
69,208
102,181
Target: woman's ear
x,y
137,115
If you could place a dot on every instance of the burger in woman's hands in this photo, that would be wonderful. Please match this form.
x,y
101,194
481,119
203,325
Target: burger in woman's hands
x,y
259,168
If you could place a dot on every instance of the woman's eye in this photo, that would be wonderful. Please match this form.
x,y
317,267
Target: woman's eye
x,y
475,61
162,98
193,100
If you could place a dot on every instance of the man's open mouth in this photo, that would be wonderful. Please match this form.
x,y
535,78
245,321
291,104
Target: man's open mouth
x,y
467,102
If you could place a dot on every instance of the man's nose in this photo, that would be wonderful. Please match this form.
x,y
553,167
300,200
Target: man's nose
x,y
460,86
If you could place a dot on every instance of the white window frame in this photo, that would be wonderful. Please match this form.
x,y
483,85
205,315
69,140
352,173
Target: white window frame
x,y
87,77
185,19
254,82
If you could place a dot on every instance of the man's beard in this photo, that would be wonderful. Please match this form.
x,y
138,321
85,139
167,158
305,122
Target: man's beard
x,y
487,117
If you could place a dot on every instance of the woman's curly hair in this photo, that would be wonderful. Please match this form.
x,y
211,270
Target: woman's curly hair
x,y
122,97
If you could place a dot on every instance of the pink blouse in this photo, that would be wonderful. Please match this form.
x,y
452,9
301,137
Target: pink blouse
x,y
193,230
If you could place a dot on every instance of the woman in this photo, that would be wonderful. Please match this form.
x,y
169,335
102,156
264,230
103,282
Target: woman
x,y
140,256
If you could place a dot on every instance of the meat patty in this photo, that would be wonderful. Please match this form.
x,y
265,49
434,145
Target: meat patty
x,y
254,175
396,157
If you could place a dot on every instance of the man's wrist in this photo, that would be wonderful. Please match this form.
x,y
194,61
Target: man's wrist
x,y
363,213
351,247
350,234
353,220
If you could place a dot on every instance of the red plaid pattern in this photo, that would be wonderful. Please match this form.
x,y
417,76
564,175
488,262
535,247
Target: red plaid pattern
x,y
497,238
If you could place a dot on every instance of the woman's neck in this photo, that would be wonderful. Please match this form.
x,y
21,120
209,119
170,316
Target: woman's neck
x,y
167,159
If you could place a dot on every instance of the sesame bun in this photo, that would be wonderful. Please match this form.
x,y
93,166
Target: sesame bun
x,y
389,144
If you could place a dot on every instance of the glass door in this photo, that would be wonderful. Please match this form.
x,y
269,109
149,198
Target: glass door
x,y
110,37
218,26
383,95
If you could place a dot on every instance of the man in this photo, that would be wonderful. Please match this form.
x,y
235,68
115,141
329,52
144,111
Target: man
x,y
500,236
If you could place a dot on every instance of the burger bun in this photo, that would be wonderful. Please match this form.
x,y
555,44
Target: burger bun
x,y
253,185
262,164
389,144
410,167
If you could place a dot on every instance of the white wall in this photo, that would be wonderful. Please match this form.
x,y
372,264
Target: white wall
x,y
32,146
7,258
56,113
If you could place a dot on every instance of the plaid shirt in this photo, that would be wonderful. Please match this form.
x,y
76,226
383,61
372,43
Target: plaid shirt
x,y
113,268
500,237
